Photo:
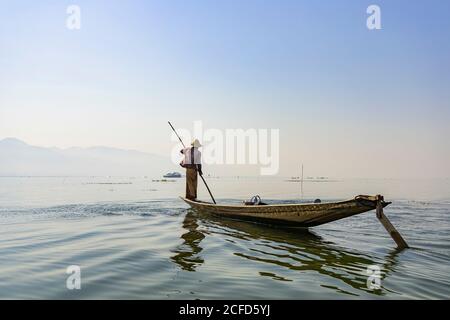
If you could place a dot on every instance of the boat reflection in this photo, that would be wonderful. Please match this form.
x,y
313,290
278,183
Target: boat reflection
x,y
294,249
187,254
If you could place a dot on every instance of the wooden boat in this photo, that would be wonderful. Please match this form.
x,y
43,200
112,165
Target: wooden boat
x,y
294,215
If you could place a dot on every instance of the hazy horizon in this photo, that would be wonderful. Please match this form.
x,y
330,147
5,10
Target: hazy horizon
x,y
214,170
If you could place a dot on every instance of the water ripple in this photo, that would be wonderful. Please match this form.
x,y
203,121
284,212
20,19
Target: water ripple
x,y
159,249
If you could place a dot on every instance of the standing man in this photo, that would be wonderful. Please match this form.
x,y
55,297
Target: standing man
x,y
193,163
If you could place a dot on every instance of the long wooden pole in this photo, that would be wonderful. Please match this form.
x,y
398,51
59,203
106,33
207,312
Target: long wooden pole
x,y
204,181
401,243
209,191
176,134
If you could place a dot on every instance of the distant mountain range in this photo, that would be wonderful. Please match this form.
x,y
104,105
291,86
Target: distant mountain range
x,y
18,158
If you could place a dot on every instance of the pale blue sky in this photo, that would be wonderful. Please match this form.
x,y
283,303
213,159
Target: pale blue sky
x,y
348,101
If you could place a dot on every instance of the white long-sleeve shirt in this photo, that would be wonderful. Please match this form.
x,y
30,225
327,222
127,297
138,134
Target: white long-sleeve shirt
x,y
187,156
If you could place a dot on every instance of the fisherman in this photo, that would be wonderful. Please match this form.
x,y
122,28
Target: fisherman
x,y
193,163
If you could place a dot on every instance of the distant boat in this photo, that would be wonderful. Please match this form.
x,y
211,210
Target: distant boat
x,y
172,175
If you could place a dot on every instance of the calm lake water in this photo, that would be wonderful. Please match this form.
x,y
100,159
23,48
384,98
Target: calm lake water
x,y
134,239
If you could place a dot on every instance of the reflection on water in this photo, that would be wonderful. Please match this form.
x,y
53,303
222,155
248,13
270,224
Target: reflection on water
x,y
136,244
298,250
187,254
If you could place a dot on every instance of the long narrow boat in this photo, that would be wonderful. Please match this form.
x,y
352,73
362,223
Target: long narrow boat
x,y
294,215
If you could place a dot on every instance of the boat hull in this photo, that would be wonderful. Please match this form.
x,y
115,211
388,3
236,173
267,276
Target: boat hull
x,y
293,215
